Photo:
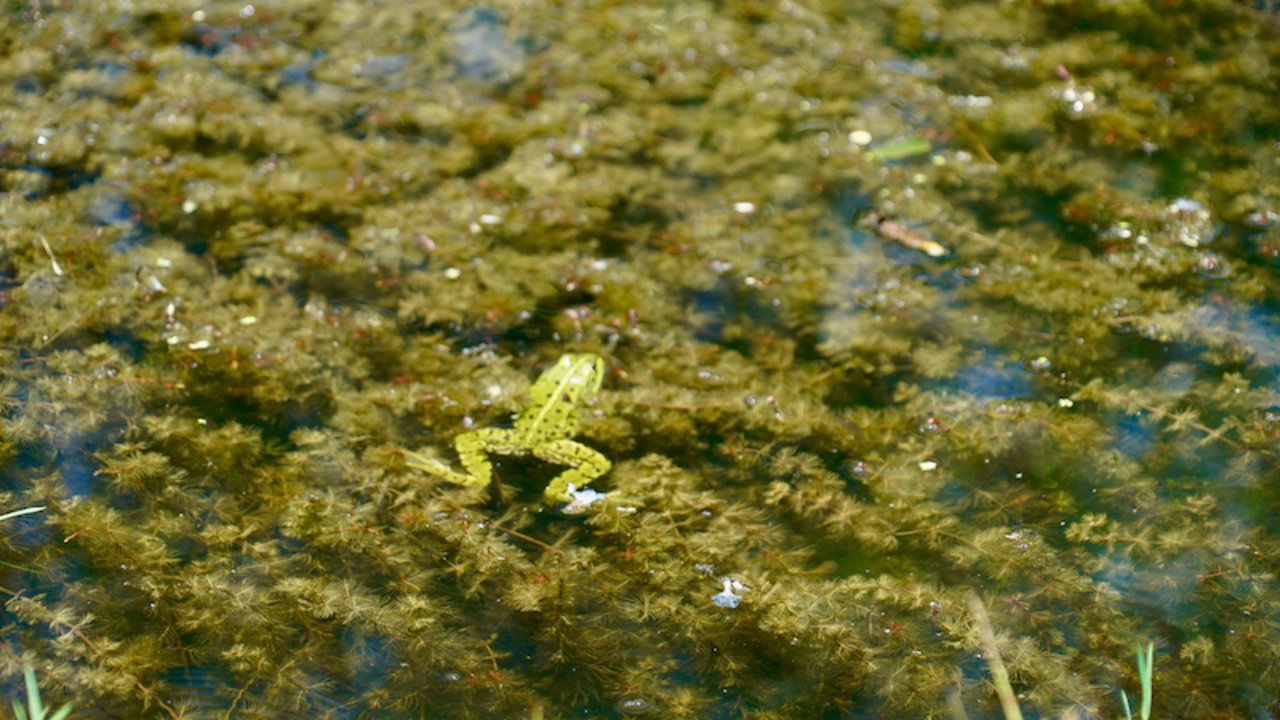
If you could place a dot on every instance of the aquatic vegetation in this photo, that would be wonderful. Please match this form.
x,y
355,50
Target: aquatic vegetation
x,y
991,653
21,511
1146,670
897,306
35,706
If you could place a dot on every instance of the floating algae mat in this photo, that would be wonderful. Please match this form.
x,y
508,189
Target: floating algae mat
x,y
786,359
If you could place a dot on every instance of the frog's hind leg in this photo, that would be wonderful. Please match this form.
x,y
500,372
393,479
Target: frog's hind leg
x,y
585,464
472,450
432,466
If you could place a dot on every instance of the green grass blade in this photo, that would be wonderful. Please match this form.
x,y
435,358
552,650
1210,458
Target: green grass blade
x,y
22,511
1146,669
900,149
33,693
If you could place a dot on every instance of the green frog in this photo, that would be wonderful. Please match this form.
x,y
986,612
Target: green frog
x,y
543,429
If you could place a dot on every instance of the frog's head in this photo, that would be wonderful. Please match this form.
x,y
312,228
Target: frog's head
x,y
576,377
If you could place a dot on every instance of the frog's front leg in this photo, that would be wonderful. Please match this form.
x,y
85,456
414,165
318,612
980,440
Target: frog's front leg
x,y
473,448
585,464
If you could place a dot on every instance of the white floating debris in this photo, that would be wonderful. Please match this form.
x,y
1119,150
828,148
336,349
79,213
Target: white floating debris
x,y
1078,99
971,101
199,345
1262,218
1066,403
1190,222
744,208
860,137
452,273
928,465
582,500
249,320
727,598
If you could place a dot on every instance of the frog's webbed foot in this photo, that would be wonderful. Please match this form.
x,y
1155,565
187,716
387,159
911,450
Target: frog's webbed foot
x,y
586,498
585,464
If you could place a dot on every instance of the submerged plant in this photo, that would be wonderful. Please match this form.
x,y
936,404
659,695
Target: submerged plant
x,y
245,263
35,709
21,511
1146,669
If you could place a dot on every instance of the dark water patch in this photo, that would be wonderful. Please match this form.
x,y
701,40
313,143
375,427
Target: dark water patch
x,y
57,179
125,341
532,328
28,84
1134,435
110,81
27,532
382,68
1257,495
112,207
733,313
222,389
986,380
73,452
366,659
207,693
299,74
210,40
854,389
850,200
78,468
482,48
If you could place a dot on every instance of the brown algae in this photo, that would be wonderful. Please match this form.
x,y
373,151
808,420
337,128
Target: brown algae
x,y
250,255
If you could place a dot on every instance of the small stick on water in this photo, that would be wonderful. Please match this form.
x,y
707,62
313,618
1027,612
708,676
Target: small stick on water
x,y
57,269
904,236
999,676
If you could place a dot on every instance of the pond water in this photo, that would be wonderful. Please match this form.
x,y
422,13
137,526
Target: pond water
x,y
939,348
